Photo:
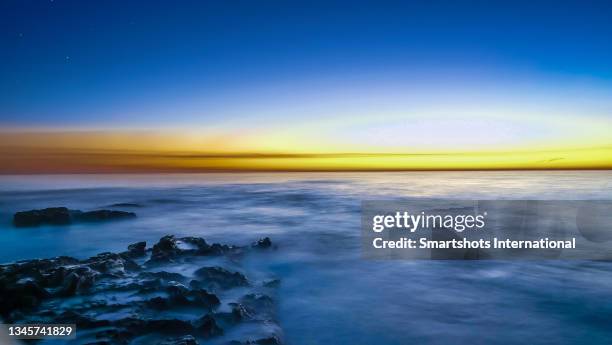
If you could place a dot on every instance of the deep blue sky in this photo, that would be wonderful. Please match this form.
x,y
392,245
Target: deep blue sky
x,y
129,64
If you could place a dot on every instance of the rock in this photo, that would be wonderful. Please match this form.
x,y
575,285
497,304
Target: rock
x,y
24,294
207,326
218,277
51,216
73,280
70,286
239,313
258,306
102,215
138,326
119,301
203,298
262,243
169,326
115,336
217,249
64,216
186,340
111,263
158,303
81,321
198,242
137,249
166,250
179,295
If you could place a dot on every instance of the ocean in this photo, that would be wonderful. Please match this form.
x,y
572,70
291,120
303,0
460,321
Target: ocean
x,y
328,293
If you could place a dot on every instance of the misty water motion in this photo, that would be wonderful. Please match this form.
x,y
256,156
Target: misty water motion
x,y
328,294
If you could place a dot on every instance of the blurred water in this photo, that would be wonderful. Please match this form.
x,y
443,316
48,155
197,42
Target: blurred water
x,y
328,294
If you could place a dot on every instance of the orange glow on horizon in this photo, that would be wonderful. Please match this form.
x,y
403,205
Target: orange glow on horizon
x,y
108,152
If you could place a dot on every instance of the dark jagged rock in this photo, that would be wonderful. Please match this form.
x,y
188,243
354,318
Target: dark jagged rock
x,y
70,286
203,298
51,215
217,249
64,216
239,313
113,289
262,243
102,215
76,280
198,242
170,249
20,295
158,303
218,277
164,251
137,249
207,326
258,306
111,263
186,340
180,295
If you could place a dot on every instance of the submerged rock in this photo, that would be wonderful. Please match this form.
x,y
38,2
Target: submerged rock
x,y
258,306
51,215
207,326
219,277
102,215
64,216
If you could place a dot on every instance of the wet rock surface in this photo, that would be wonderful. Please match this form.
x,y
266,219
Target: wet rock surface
x,y
182,291
64,216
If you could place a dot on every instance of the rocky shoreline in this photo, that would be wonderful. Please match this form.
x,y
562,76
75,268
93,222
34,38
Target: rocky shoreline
x,y
179,291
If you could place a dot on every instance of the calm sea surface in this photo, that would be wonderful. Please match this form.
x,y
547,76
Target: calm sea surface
x,y
328,294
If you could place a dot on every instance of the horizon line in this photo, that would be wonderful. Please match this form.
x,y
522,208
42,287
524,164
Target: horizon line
x,y
58,161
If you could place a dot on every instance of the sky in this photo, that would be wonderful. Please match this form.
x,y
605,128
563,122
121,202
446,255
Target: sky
x,y
444,78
